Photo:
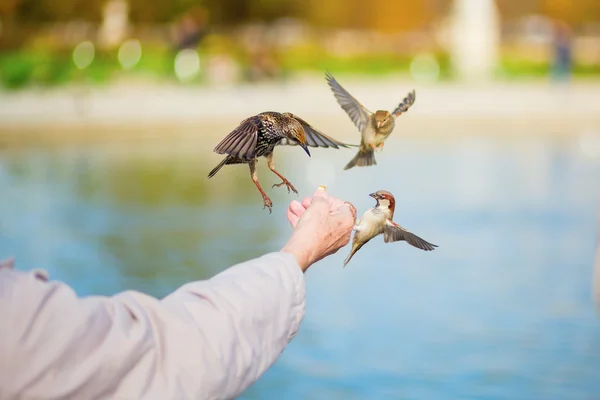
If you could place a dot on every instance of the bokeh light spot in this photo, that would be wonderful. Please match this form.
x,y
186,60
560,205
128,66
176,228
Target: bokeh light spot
x,y
130,53
425,68
589,144
187,65
83,54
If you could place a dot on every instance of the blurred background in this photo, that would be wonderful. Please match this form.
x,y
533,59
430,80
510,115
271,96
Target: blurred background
x,y
110,109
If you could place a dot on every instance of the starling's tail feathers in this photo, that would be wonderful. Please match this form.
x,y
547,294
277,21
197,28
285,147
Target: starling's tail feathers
x,y
364,158
217,168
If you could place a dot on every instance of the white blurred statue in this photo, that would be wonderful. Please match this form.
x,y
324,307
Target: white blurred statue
x,y
115,23
474,38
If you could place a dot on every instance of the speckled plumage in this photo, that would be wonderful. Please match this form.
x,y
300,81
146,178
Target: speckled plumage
x,y
257,136
374,127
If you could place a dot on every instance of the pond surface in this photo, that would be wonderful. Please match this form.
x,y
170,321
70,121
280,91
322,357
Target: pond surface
x,y
501,310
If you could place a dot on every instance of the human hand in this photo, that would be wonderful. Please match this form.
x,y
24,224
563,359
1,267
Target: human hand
x,y
322,225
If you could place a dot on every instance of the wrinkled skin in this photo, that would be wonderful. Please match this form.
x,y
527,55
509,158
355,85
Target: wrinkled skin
x,y
322,225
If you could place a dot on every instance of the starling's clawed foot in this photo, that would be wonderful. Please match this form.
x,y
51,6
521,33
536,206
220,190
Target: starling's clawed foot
x,y
267,203
287,184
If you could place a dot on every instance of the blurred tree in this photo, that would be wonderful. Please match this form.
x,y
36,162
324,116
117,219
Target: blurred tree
x,y
572,12
8,10
221,11
59,10
410,15
158,10
379,15
8,7
510,9
227,12
269,10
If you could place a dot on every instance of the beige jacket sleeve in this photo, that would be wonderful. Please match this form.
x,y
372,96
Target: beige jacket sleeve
x,y
207,340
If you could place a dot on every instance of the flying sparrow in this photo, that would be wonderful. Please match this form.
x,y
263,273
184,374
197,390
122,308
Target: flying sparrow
x,y
374,127
258,135
378,220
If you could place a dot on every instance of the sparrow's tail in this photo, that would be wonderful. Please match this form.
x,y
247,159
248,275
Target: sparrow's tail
x,y
218,167
355,248
363,158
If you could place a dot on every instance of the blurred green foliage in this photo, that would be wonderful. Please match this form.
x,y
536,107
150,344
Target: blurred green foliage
x,y
42,68
518,68
22,68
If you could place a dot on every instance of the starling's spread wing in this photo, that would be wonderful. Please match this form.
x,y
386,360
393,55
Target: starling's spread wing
x,y
241,142
392,232
405,105
314,138
357,112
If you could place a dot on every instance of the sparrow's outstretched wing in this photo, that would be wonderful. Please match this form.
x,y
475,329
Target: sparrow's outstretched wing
x,y
356,111
314,138
408,101
392,232
241,142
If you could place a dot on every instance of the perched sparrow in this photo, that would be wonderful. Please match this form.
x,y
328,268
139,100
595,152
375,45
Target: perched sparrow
x,y
374,128
378,220
258,135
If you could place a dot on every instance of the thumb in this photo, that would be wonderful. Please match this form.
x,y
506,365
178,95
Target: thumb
x,y
320,200
321,193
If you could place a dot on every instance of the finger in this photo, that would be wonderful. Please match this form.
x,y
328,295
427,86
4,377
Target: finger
x,y
292,218
297,208
321,193
320,201
306,202
352,208
346,211
321,204
344,208
335,203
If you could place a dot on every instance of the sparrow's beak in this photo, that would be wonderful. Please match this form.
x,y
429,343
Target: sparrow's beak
x,y
305,147
374,195
378,124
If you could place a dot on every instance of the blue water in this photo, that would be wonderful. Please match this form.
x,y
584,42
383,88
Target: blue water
x,y
501,310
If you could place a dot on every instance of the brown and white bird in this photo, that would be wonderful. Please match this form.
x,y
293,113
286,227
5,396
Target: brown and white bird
x,y
374,127
378,220
258,135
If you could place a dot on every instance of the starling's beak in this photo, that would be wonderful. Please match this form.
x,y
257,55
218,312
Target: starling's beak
x,y
305,147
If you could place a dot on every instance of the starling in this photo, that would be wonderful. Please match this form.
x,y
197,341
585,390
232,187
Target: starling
x,y
258,135
374,127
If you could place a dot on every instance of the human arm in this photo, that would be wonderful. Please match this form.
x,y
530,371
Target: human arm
x,y
209,339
